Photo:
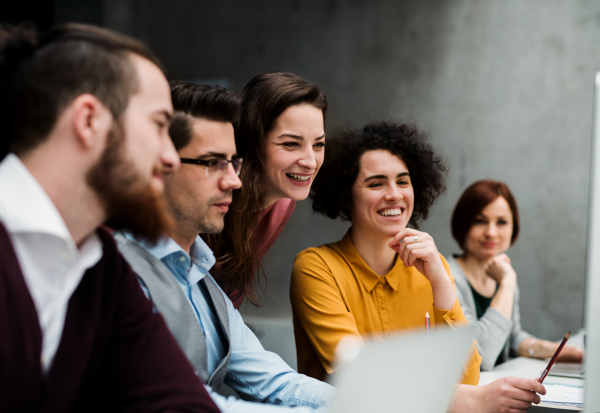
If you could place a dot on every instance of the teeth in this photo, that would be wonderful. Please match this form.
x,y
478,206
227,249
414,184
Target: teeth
x,y
390,212
299,178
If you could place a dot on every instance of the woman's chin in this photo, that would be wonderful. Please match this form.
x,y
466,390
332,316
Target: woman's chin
x,y
297,194
484,255
392,231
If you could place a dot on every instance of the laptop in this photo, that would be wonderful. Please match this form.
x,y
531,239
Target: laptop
x,y
410,372
574,370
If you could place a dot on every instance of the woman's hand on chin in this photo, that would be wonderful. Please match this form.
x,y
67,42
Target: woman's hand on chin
x,y
416,248
500,270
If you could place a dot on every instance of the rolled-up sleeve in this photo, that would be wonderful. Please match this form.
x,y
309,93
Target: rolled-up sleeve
x,y
455,318
262,376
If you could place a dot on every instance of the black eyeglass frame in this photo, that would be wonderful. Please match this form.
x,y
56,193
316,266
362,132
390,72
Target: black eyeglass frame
x,y
221,163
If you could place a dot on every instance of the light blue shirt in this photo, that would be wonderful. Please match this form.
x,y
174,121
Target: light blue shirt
x,y
254,373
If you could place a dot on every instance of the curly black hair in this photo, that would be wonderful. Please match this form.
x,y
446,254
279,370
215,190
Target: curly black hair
x,y
332,189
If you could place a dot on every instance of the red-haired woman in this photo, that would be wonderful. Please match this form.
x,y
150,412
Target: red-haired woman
x,y
485,223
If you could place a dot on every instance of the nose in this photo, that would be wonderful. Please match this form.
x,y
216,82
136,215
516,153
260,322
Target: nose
x,y
230,179
492,230
308,160
393,194
169,158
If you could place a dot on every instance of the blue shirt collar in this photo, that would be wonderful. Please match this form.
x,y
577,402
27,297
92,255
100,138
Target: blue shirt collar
x,y
170,253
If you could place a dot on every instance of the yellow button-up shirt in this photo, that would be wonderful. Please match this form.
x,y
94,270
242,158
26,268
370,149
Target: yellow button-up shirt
x,y
334,293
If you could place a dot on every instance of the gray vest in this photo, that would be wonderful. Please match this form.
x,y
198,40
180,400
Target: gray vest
x,y
168,298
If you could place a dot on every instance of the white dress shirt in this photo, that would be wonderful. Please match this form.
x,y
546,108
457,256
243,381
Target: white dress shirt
x,y
51,263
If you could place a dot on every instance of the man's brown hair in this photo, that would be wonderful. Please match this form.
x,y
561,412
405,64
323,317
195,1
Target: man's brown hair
x,y
71,60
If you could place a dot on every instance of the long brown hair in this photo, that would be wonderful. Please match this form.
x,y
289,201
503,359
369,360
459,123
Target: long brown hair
x,y
264,98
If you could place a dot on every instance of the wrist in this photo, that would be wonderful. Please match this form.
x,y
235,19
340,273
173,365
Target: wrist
x,y
531,349
509,281
546,349
439,277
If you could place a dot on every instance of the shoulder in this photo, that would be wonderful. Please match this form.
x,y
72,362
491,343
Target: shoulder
x,y
285,207
134,253
460,280
125,246
271,224
113,275
110,251
455,269
324,253
280,212
323,263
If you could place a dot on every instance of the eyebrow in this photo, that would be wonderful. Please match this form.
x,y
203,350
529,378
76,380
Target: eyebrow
x,y
218,155
385,176
481,215
166,114
298,137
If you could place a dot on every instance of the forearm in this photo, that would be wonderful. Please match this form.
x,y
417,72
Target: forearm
x,y
233,405
465,399
262,376
444,295
540,348
504,298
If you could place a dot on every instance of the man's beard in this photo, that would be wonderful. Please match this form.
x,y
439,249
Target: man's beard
x,y
130,203
208,226
195,216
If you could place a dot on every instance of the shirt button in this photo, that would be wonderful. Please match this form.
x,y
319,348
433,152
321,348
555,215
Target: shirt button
x,y
453,316
181,258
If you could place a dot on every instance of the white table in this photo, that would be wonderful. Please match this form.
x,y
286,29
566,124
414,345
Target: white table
x,y
532,369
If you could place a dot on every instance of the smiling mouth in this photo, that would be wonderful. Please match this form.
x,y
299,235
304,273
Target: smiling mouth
x,y
391,212
299,178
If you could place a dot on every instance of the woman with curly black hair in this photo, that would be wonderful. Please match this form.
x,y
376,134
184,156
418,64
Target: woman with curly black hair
x,y
383,276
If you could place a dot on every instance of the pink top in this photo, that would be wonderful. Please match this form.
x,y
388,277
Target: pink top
x,y
269,226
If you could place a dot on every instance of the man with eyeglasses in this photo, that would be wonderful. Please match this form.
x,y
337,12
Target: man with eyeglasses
x,y
174,273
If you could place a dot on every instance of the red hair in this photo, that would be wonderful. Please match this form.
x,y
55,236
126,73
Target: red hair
x,y
473,200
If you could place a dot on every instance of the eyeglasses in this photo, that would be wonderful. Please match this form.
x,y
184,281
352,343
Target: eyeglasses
x,y
216,165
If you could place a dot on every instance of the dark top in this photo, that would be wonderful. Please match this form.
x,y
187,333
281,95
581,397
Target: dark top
x,y
481,302
115,354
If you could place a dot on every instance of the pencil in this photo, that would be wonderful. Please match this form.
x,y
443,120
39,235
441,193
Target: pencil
x,y
427,321
554,357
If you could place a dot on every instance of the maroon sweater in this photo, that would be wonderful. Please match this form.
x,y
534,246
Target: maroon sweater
x,y
115,354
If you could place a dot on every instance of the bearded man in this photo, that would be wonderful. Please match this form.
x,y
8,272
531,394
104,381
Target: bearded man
x,y
90,112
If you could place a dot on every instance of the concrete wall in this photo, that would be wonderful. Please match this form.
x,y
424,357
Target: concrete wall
x,y
504,87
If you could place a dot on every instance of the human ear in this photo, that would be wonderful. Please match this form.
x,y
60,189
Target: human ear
x,y
91,121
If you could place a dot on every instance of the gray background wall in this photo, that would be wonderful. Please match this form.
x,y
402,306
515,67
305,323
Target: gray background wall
x,y
504,87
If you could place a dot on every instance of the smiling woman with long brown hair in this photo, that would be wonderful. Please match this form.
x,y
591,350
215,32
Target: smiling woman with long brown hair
x,y
281,136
